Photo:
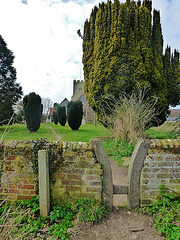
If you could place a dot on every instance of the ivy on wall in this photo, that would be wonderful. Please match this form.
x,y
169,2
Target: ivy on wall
x,y
54,163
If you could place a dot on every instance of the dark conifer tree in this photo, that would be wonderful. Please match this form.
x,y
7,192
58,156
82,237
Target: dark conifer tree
x,y
32,111
8,85
175,83
148,4
61,115
55,118
158,81
10,90
74,113
139,3
168,73
6,110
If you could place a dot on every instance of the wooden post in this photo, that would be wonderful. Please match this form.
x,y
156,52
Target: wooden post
x,y
44,189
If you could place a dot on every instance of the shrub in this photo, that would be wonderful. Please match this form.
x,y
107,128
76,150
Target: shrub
x,y
75,113
32,111
55,118
129,115
61,115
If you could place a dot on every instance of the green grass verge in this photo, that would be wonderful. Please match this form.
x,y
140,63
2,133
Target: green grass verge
x,y
168,130
84,134
151,134
20,132
118,150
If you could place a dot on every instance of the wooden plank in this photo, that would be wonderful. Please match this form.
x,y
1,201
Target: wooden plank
x,y
120,189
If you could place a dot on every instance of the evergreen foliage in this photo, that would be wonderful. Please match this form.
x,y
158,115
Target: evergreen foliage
x,y
122,49
32,111
6,110
10,90
175,78
61,115
55,118
74,114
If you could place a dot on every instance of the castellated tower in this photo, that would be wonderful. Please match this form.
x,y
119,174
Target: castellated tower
x,y
78,89
78,94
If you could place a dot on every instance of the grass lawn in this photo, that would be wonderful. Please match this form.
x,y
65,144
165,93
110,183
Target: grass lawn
x,y
84,134
166,131
20,132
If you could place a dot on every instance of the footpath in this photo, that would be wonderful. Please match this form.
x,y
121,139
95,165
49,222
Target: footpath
x,y
121,224
58,137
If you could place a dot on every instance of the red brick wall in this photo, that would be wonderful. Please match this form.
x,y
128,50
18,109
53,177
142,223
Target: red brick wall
x,y
17,177
78,173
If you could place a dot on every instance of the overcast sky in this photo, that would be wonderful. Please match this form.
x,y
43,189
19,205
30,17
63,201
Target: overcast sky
x,y
48,52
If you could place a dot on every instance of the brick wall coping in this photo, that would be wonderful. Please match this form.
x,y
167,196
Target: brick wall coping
x,y
67,145
164,143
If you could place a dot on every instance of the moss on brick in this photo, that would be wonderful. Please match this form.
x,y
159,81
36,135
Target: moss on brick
x,y
161,167
78,173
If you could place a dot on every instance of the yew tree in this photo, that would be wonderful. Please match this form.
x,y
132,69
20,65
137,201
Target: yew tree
x,y
74,114
33,111
61,115
55,118
123,49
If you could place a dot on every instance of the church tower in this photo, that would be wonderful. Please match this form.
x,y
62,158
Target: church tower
x,y
78,89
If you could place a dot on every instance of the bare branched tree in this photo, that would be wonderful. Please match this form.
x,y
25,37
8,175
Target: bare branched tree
x,y
47,103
